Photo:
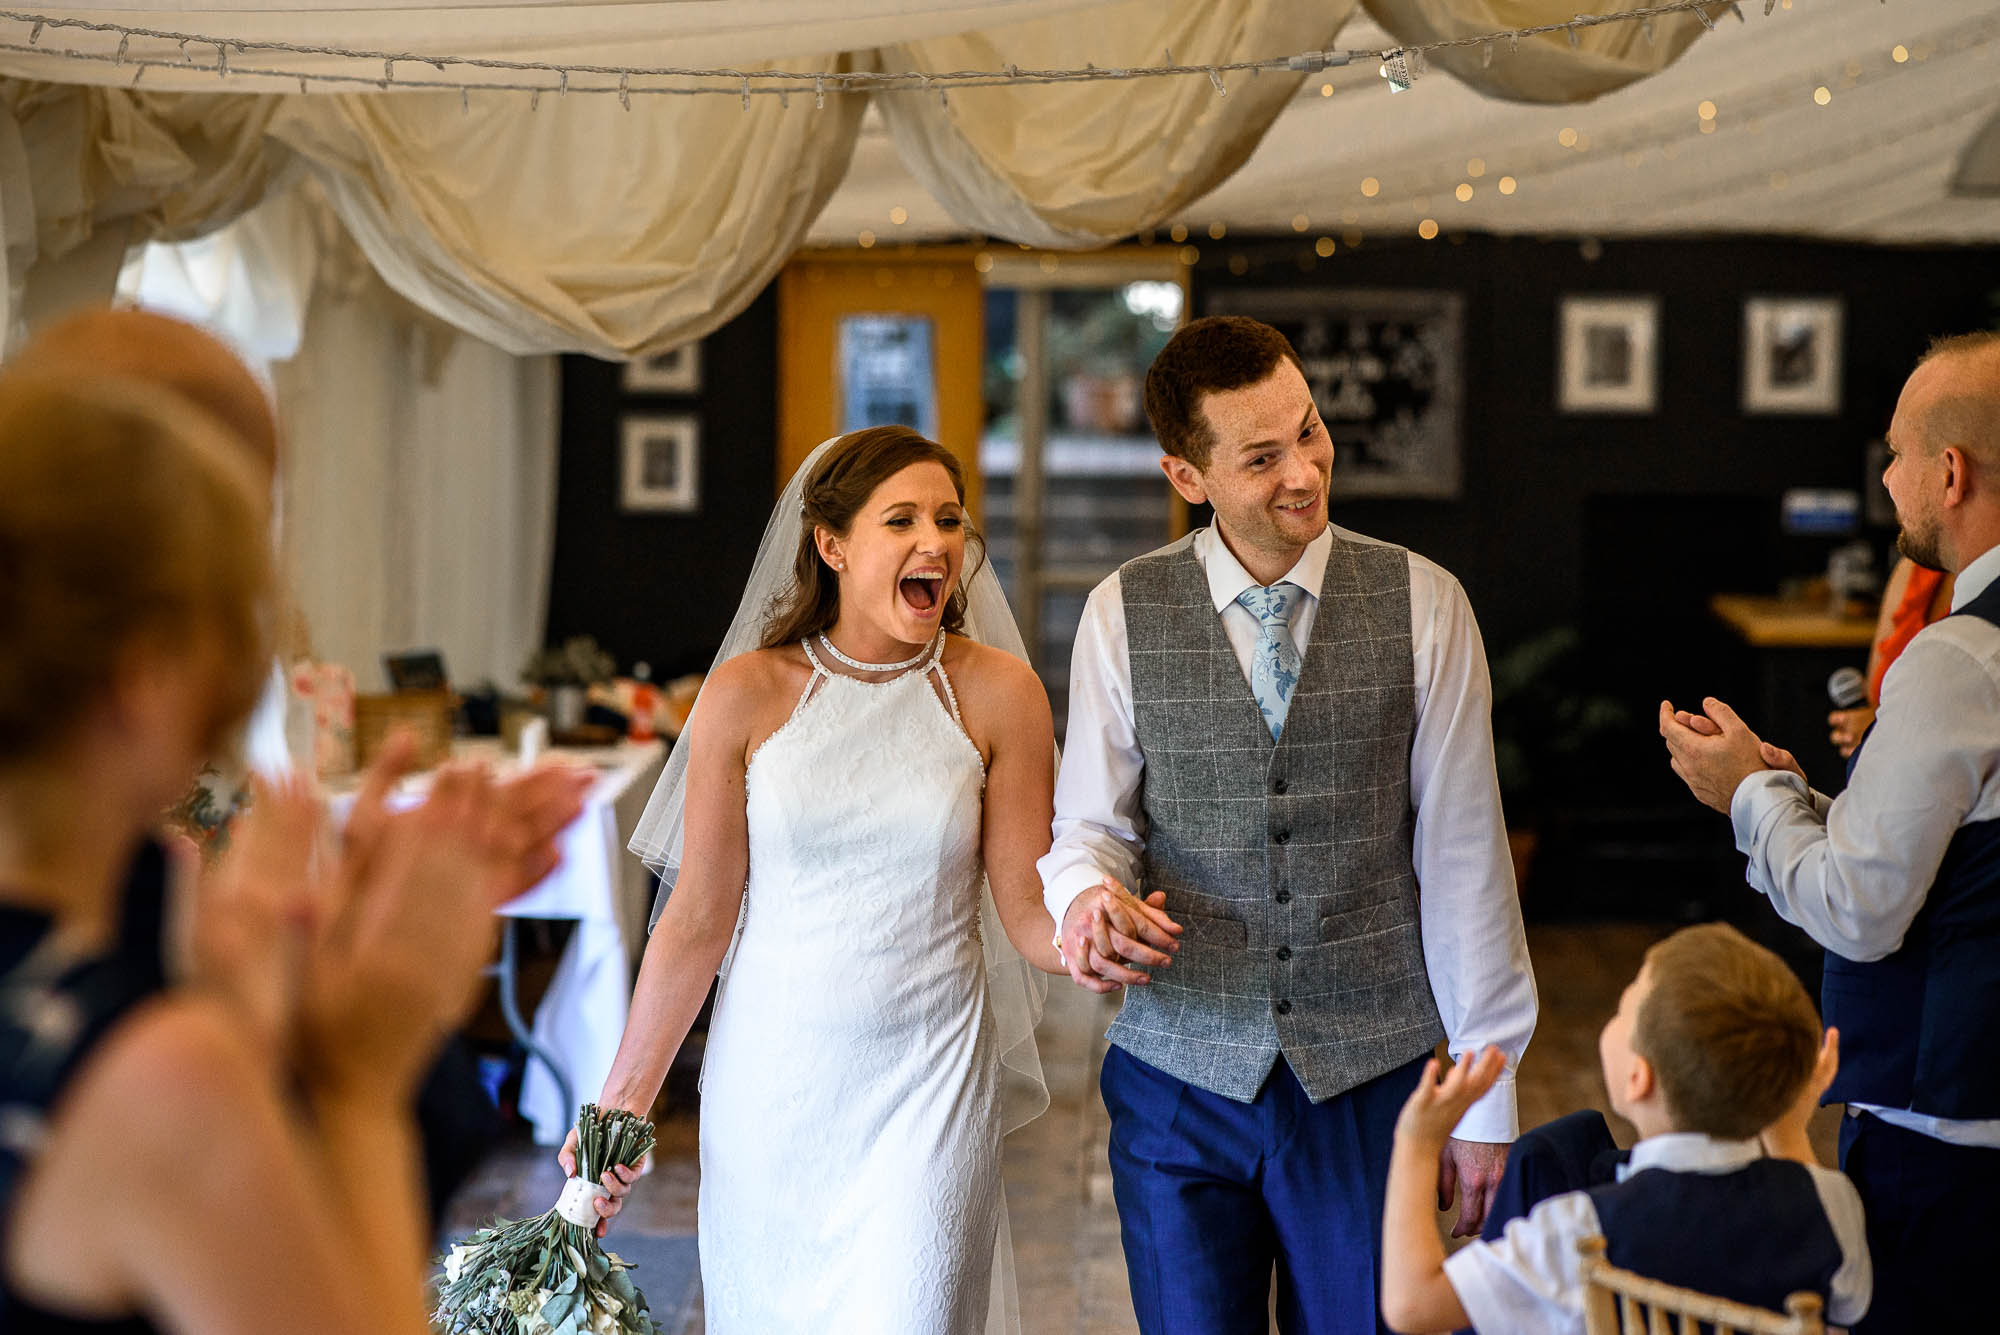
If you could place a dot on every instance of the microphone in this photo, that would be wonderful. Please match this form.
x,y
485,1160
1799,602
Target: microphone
x,y
1847,688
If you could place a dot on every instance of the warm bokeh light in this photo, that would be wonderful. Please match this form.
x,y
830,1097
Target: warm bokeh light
x,y
1178,233
1822,95
1323,247
1300,222
1566,137
1370,186
1507,185
1476,168
866,239
1427,229
1706,111
1464,192
1216,231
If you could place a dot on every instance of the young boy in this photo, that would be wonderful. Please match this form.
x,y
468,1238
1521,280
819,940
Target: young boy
x,y
1712,1057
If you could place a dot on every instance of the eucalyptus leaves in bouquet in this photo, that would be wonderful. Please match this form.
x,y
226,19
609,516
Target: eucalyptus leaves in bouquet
x,y
548,1275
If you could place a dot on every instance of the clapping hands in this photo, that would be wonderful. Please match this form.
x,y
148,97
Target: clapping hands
x,y
362,951
1714,751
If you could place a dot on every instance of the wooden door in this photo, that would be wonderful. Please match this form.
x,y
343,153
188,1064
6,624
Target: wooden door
x,y
831,302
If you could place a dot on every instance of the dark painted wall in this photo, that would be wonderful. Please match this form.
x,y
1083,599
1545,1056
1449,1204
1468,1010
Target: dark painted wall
x,y
1565,513
658,587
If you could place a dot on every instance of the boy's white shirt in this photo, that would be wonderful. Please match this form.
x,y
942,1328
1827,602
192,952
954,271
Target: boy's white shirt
x,y
1530,1279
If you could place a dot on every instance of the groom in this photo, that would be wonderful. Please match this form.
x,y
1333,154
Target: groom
x,y
1284,728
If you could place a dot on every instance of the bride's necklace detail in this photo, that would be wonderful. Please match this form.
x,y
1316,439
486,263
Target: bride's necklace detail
x,y
860,666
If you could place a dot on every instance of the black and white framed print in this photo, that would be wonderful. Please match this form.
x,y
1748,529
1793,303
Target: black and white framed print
x,y
1609,354
675,371
1386,369
1791,355
660,464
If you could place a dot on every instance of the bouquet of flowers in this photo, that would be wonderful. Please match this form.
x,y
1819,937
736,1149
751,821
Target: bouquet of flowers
x,y
548,1275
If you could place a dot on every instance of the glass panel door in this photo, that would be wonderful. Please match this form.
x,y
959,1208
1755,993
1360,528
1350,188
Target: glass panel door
x,y
1073,483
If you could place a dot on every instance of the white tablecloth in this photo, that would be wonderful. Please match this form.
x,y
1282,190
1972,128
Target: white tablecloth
x,y
604,890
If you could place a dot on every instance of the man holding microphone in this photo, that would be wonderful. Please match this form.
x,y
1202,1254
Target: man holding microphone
x,y
1899,876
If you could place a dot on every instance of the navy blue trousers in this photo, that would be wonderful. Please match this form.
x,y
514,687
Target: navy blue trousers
x,y
1930,1208
1213,1194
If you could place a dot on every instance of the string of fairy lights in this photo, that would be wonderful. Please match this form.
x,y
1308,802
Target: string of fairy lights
x,y
143,49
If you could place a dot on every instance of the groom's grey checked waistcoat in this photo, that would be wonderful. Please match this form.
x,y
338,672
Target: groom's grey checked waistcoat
x,y
1287,863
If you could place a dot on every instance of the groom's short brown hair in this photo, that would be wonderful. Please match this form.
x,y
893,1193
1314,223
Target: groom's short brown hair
x,y
1211,355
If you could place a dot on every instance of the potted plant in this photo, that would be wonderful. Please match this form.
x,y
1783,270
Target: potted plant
x,y
566,674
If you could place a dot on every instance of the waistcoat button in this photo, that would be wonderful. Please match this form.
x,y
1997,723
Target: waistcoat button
x,y
1284,896
1279,787
1284,1008
1284,952
1282,836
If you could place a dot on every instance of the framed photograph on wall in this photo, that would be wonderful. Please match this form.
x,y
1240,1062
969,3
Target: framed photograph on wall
x,y
1791,355
675,371
1609,355
1387,371
660,464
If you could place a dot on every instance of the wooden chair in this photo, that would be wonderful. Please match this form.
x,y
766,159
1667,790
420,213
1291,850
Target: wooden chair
x,y
1618,1302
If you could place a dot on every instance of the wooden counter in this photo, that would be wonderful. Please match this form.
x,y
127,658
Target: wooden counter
x,y
1779,623
1783,624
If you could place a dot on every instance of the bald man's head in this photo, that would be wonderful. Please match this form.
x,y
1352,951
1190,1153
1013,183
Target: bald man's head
x,y
163,351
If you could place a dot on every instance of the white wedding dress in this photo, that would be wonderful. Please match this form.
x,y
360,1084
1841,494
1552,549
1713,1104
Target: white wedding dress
x,y
850,1113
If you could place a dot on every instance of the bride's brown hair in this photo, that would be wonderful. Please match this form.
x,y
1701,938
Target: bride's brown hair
x,y
847,475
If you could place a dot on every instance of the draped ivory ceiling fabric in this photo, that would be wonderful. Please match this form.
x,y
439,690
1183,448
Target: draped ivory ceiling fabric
x,y
1545,67
580,225
1875,163
1087,164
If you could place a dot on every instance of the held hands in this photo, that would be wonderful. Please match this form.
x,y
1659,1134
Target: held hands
x,y
1714,751
617,1180
1110,937
1467,1169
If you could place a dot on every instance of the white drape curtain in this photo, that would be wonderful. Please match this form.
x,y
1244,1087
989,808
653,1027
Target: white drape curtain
x,y
418,471
419,490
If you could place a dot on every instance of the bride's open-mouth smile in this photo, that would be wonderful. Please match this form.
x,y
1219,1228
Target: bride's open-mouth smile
x,y
922,591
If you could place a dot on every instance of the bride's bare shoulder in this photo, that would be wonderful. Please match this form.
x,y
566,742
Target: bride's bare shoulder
x,y
992,672
749,679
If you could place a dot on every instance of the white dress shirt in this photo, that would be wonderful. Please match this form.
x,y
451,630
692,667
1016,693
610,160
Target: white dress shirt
x,y
1530,1278
1474,947
1854,871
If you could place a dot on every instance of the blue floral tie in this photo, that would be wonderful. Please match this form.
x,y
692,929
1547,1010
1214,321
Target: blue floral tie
x,y
1274,665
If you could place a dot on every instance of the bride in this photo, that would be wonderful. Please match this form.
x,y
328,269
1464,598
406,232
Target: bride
x,y
847,791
